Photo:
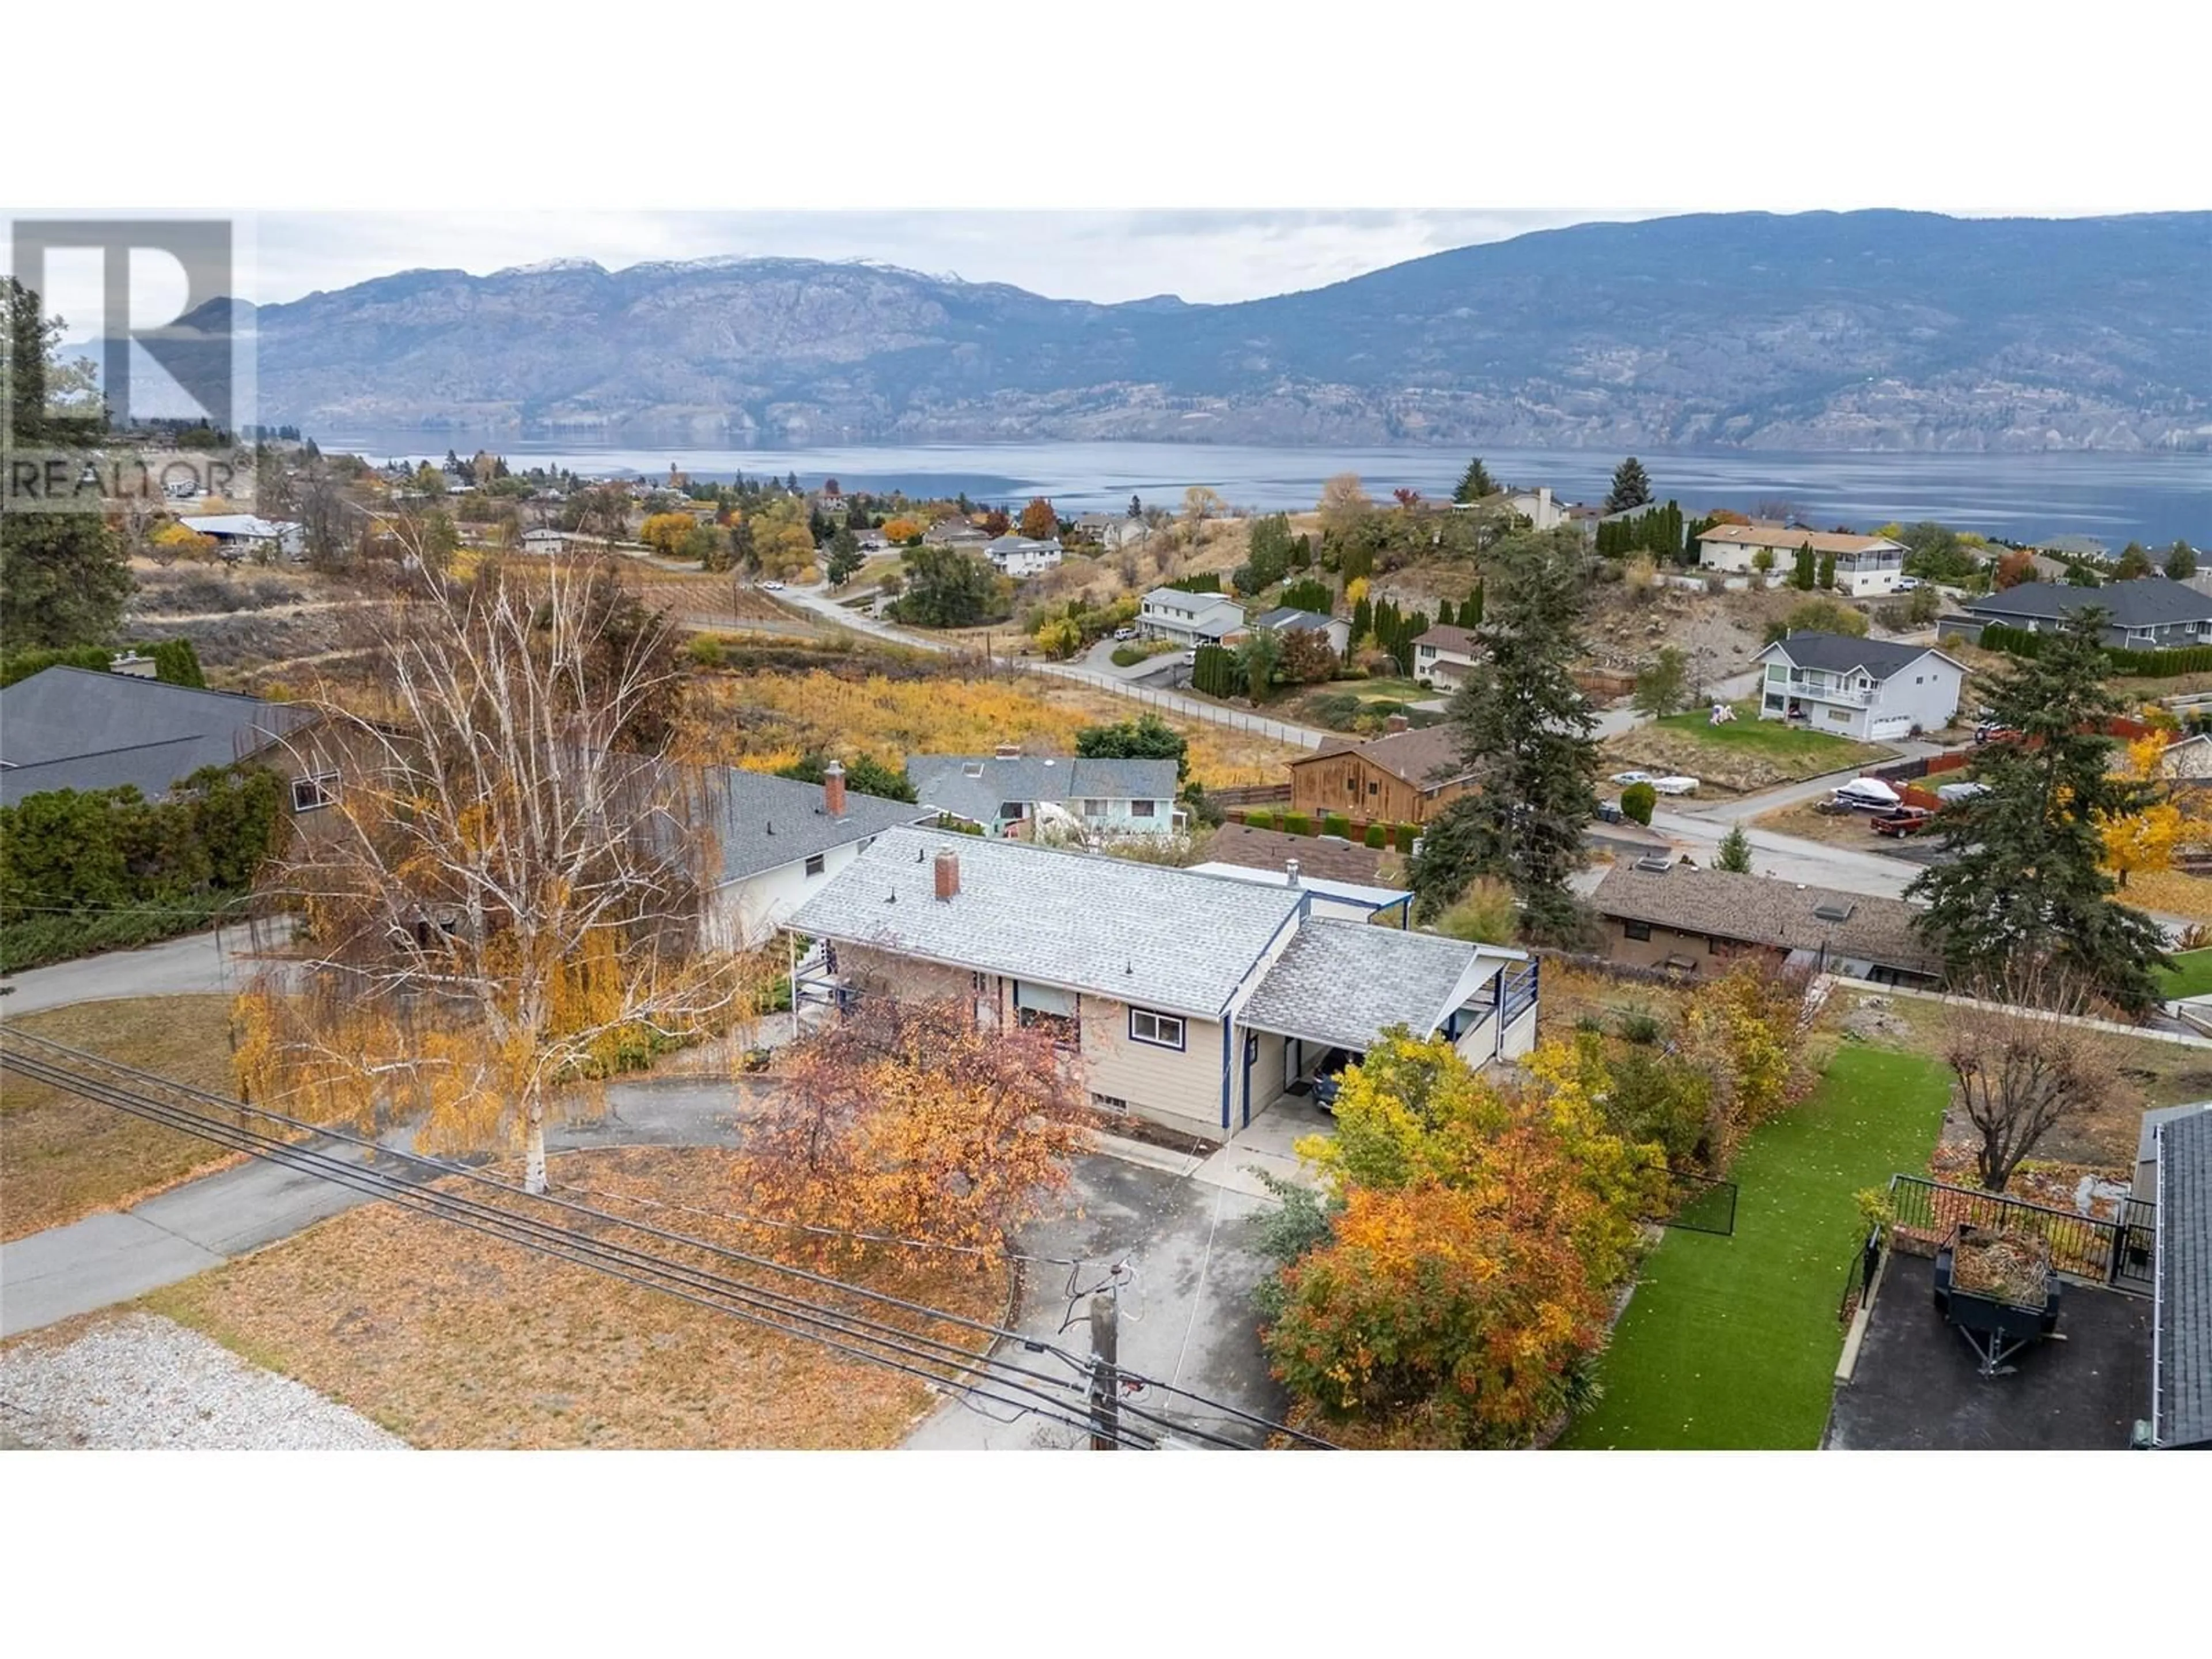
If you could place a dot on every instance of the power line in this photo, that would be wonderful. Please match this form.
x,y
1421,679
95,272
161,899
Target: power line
x,y
1047,1394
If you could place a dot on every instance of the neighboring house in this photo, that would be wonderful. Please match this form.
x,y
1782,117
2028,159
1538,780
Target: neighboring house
x,y
1327,900
76,728
1116,533
1331,858
1285,619
780,840
1190,619
1443,654
1865,565
544,541
1537,506
1195,1001
2181,1274
1002,793
1693,921
1403,776
954,532
238,535
1864,688
2152,614
873,541
1019,556
2186,759
2074,547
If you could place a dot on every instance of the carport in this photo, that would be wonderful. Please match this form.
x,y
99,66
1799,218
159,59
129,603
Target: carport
x,y
1339,985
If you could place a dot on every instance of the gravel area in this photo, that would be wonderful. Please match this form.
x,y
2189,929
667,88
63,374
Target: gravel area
x,y
140,1381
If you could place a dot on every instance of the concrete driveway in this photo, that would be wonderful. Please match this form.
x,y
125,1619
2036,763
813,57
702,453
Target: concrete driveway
x,y
220,962
1187,1315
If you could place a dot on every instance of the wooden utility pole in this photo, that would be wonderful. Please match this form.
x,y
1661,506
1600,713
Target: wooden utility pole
x,y
1105,1379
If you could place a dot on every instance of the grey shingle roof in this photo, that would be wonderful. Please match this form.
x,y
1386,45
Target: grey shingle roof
x,y
943,781
2143,604
1839,653
1286,617
1317,855
1341,982
76,728
2182,1374
764,822
1426,757
1761,910
1141,932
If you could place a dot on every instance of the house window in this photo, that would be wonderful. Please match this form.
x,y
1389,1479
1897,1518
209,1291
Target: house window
x,y
1041,1007
1373,787
1112,1103
312,794
1841,716
1094,809
814,864
1161,1030
1010,809
1142,809
1639,930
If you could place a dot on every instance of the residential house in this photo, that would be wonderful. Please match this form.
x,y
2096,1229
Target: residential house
x,y
1020,557
2064,548
544,541
1405,777
1658,914
1869,690
1286,619
1007,793
1443,654
2152,614
76,728
780,840
1865,565
1112,531
954,532
1330,858
1189,619
241,535
1194,1001
2187,760
1537,507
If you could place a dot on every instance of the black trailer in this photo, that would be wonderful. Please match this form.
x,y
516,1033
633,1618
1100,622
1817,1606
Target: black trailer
x,y
1995,1326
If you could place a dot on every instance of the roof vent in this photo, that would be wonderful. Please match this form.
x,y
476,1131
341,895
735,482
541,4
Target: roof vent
x,y
972,768
1657,863
1834,912
1291,868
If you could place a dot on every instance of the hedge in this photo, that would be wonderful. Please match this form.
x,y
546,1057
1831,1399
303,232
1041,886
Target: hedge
x,y
1259,818
1407,834
1377,836
174,660
1296,823
2142,665
1335,823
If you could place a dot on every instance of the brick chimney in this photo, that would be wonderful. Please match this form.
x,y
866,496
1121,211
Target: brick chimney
x,y
833,790
948,875
1008,751
1396,723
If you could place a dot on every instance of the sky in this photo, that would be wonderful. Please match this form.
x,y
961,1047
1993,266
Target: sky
x,y
1100,256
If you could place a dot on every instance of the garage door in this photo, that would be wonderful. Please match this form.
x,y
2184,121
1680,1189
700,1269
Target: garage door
x,y
1896,725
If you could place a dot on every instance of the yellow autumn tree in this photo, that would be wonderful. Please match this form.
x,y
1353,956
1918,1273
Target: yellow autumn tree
x,y
664,532
2143,842
507,898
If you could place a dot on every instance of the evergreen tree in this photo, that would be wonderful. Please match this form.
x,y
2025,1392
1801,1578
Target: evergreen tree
x,y
1803,576
1734,854
1827,570
1470,615
2023,878
1363,620
1524,728
1632,487
64,575
2133,564
1475,483
2181,560
1136,508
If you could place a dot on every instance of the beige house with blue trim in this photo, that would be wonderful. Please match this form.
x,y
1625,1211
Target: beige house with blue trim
x,y
1194,1001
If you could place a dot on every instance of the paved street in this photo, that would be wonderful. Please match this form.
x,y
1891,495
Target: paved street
x,y
219,962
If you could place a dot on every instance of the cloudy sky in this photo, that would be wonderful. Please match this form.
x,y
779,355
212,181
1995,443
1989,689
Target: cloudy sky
x,y
1102,256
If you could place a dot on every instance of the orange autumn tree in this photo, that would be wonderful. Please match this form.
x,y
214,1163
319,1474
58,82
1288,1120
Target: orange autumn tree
x,y
1039,521
1462,1288
911,1120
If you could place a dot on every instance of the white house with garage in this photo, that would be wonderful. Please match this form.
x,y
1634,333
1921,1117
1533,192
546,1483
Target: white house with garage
x,y
1189,619
1865,565
1020,557
1196,1001
1869,689
1444,655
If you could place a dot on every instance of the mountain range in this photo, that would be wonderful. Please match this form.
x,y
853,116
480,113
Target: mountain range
x,y
1877,330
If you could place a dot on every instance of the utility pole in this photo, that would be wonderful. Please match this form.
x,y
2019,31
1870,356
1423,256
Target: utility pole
x,y
1105,1380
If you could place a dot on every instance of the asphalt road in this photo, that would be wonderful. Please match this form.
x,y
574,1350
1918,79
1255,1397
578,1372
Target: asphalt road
x,y
221,961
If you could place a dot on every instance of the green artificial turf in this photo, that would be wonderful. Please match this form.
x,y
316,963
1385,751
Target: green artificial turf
x,y
1731,1343
2190,976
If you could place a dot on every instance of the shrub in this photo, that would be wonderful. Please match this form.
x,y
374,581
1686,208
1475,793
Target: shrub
x,y
1637,802
705,651
1129,656
1336,709
1335,823
1377,836
1483,914
1406,835
1259,818
1640,1026
1296,823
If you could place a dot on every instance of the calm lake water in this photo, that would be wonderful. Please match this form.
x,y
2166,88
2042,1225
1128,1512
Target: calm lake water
x,y
2152,498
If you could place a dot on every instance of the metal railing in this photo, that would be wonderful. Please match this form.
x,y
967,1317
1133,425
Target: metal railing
x,y
2114,1252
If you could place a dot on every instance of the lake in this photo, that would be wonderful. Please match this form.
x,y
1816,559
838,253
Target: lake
x,y
2150,497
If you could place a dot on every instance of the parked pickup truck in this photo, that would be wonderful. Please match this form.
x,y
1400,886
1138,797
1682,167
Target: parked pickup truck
x,y
1905,821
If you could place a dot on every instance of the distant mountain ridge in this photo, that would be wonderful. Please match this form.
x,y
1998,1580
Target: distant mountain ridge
x,y
1856,331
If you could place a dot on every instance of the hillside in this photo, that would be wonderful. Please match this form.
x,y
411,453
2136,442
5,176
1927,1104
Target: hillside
x,y
1873,329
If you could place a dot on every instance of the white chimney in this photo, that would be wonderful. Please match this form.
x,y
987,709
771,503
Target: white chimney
x,y
1291,868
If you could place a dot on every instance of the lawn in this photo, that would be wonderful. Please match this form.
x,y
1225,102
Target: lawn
x,y
1731,1343
1744,754
452,1340
2190,976
63,1157
1776,738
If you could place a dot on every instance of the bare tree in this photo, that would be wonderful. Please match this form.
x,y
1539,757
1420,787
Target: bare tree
x,y
508,894
2023,1061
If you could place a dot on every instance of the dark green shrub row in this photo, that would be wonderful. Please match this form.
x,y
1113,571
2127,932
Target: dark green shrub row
x,y
174,660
